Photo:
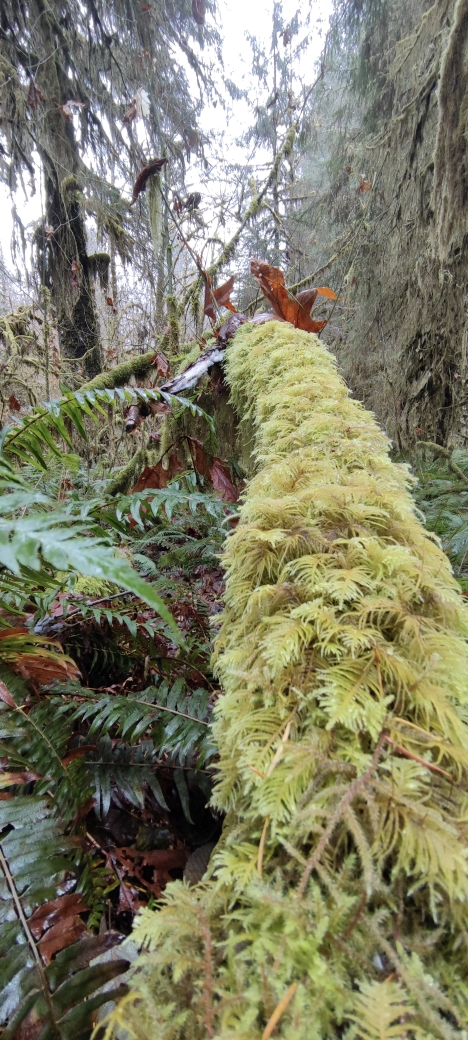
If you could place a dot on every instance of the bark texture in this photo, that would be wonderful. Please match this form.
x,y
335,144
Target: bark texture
x,y
404,346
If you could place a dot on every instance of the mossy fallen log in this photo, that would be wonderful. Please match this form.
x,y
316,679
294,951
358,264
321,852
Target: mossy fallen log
x,y
337,900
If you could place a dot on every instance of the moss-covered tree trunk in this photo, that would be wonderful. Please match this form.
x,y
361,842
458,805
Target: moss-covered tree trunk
x,y
337,901
64,261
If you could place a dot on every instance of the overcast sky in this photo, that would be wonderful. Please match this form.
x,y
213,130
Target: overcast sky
x,y
236,17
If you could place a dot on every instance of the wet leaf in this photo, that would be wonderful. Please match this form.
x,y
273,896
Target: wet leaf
x,y
230,327
51,913
158,476
201,460
220,476
62,935
221,295
140,184
161,365
213,469
286,307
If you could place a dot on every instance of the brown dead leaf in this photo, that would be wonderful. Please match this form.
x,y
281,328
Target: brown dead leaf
x,y
49,914
323,290
75,268
131,113
213,469
364,185
13,403
220,476
140,184
285,306
5,696
59,924
201,460
62,935
77,752
161,365
8,779
44,668
221,295
158,476
230,327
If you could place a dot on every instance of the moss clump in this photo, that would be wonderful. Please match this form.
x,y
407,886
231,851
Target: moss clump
x,y
338,900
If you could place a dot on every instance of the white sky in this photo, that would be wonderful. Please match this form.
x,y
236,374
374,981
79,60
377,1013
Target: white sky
x,y
235,18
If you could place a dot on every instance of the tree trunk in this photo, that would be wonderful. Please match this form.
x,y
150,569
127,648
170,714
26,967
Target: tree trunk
x,y
65,264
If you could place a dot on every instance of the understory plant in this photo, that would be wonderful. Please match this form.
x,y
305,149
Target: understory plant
x,y
336,901
105,695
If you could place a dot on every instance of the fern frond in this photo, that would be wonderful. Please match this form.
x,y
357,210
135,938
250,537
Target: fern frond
x,y
63,993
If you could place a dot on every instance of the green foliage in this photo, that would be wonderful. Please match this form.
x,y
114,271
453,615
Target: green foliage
x,y
47,538
95,575
35,860
443,498
342,740
35,436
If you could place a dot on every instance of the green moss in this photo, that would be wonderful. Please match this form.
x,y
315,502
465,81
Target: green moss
x,y
343,746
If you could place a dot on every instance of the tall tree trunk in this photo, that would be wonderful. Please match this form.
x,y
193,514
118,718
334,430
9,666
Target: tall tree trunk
x,y
66,268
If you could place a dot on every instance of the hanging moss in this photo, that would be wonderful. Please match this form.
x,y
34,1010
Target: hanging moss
x,y
173,325
338,900
450,196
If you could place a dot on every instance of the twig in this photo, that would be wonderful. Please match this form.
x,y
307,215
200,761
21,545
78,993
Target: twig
x,y
279,1010
261,847
345,801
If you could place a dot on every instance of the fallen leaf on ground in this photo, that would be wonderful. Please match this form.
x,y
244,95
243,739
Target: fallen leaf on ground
x,y
158,476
